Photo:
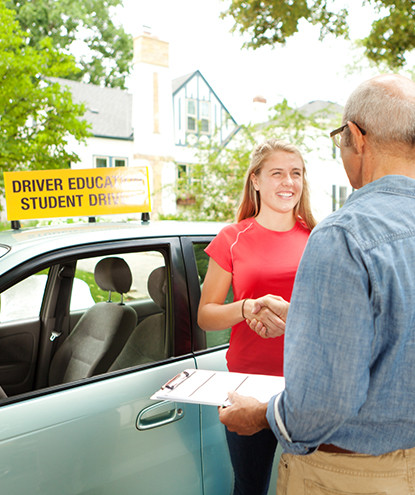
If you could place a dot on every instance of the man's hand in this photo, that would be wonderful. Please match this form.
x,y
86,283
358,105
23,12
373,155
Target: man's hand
x,y
268,316
245,415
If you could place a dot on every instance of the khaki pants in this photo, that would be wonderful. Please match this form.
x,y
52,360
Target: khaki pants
x,y
322,473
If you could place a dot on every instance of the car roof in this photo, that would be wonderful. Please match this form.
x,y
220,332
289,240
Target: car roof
x,y
17,246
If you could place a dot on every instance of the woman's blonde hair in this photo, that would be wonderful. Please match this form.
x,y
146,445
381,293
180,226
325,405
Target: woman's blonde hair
x,y
250,204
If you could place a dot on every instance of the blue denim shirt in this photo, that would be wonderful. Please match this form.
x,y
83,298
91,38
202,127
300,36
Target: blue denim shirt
x,y
350,335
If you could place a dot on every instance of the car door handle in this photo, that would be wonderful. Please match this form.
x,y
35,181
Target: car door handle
x,y
159,414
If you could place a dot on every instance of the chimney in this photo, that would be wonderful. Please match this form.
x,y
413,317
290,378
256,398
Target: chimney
x,y
259,110
153,115
149,49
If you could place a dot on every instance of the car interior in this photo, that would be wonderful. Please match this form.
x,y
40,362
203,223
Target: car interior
x,y
100,334
86,317
148,341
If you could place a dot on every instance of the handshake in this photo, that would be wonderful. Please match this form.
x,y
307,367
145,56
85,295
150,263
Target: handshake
x,y
266,315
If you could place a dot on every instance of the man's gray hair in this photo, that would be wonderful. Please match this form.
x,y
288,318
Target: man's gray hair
x,y
386,113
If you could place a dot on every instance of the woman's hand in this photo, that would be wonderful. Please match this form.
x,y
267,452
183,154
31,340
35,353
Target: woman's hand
x,y
267,315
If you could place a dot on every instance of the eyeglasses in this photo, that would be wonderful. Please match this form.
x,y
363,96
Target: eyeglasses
x,y
336,134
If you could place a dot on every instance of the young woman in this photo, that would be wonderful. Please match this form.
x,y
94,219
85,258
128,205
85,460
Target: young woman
x,y
258,255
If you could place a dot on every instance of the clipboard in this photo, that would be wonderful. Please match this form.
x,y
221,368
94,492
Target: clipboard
x,y
211,388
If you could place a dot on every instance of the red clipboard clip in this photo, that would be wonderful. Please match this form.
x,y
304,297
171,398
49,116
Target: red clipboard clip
x,y
177,380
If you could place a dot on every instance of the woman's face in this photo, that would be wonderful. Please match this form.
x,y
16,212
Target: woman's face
x,y
280,182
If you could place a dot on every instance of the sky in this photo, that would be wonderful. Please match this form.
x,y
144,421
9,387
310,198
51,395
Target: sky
x,y
303,70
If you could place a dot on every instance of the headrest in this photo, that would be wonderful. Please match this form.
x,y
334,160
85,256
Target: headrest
x,y
157,286
113,274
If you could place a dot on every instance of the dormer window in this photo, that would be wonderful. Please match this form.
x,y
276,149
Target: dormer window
x,y
205,117
198,116
191,116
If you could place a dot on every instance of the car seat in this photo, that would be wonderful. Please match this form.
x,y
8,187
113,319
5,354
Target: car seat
x,y
148,341
102,331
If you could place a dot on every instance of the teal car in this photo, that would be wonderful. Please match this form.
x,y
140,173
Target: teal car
x,y
94,318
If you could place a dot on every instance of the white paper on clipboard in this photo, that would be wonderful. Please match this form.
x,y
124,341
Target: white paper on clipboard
x,y
211,387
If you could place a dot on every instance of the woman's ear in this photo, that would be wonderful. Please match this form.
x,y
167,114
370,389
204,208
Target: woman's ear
x,y
254,181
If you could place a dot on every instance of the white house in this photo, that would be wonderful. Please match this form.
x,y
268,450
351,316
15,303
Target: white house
x,y
159,123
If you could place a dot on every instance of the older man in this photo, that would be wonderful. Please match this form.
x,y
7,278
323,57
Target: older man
x,y
346,420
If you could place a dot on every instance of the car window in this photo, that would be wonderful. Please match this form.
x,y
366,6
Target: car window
x,y
41,347
146,340
23,300
213,338
141,265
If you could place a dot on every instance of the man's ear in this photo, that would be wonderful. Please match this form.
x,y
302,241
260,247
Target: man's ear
x,y
358,138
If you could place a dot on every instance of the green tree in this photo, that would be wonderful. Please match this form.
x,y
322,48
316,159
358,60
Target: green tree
x,y
212,189
85,27
392,36
268,22
37,116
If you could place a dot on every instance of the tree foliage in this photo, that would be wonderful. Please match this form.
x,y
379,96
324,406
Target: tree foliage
x,y
213,185
269,22
82,27
36,115
392,36
212,189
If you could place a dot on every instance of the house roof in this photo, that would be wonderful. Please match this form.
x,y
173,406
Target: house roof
x,y
180,81
322,108
108,110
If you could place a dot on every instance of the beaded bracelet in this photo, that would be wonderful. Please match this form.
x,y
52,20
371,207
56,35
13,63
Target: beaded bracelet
x,y
243,304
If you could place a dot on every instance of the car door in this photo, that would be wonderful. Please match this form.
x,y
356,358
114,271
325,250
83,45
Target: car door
x,y
103,437
103,434
210,353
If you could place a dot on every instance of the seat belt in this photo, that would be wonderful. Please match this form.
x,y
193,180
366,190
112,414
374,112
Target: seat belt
x,y
58,328
66,275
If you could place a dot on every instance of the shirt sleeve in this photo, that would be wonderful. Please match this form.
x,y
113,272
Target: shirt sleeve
x,y
219,249
328,340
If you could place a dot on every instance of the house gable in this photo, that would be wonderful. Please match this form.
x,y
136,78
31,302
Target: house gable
x,y
198,112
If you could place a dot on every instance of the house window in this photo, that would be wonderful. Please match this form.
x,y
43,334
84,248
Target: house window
x,y
182,171
109,161
184,180
191,116
334,149
119,162
339,196
183,177
342,195
101,161
205,117
333,198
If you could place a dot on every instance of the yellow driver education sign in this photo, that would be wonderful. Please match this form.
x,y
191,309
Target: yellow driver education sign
x,y
73,193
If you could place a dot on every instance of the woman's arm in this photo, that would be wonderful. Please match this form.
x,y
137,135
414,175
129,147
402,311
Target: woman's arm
x,y
213,313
